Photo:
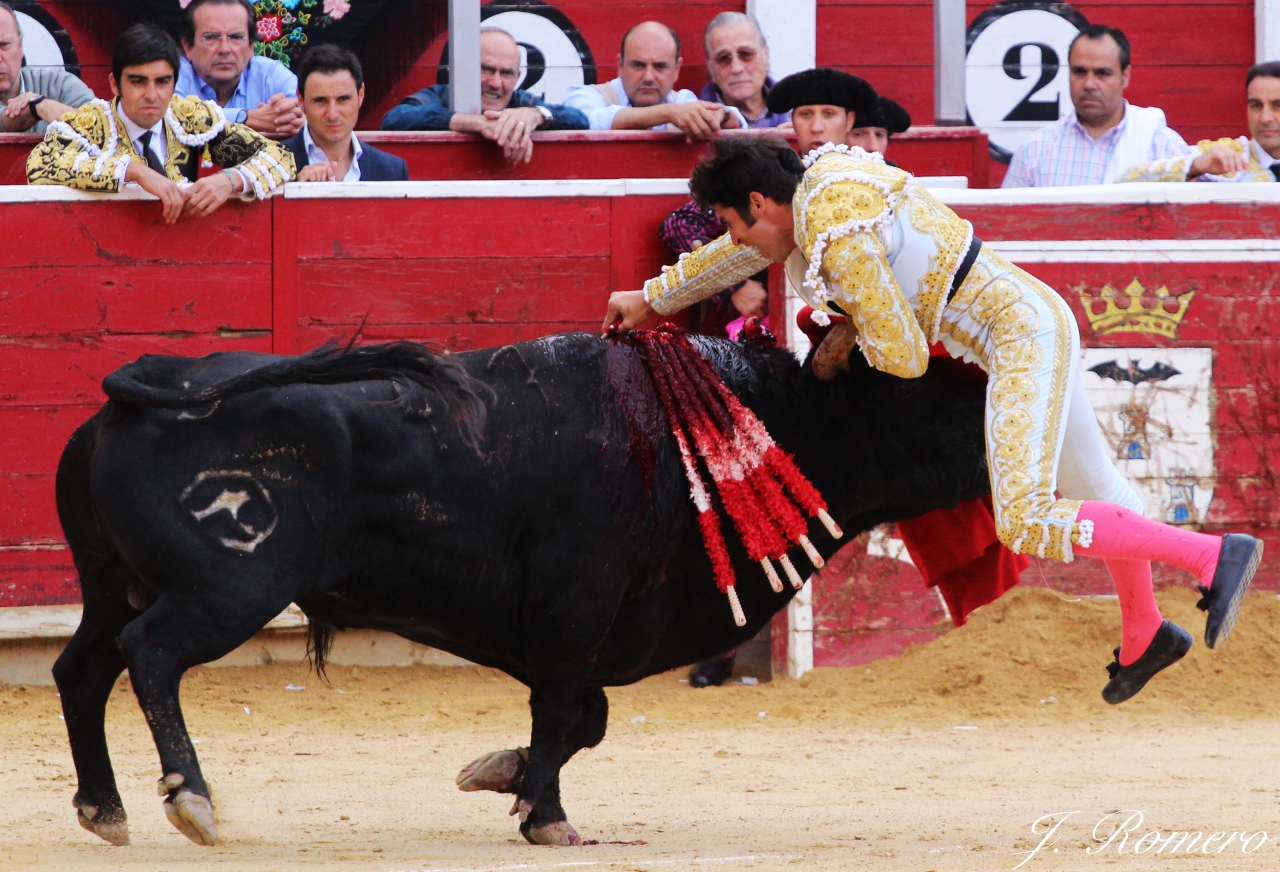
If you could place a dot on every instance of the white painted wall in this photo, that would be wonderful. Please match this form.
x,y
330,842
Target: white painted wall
x,y
1266,30
800,632
791,29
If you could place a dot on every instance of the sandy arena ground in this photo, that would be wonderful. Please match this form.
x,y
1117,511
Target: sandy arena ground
x,y
846,769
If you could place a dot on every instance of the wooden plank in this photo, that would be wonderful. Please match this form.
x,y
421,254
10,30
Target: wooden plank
x,y
1126,221
32,437
284,276
451,290
30,515
343,229
110,235
133,299
38,372
38,578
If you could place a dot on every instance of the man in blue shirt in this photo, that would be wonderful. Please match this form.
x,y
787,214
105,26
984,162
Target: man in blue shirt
x,y
218,38
509,116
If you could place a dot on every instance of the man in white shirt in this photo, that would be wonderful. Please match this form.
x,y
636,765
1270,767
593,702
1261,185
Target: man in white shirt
x,y
1105,135
642,97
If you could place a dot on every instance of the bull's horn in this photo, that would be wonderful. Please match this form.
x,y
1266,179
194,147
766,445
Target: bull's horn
x,y
833,352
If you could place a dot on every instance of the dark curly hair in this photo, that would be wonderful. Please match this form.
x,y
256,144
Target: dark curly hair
x,y
737,165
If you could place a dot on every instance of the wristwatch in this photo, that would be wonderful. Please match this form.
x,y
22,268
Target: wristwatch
x,y
545,113
241,116
33,102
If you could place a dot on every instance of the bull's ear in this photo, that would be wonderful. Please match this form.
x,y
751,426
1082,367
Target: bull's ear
x,y
833,353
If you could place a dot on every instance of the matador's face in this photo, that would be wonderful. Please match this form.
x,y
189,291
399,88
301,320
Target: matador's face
x,y
771,229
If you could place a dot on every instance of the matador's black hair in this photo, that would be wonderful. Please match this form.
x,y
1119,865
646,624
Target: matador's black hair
x,y
737,165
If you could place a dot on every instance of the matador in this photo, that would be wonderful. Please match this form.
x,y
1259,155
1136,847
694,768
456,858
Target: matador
x,y
866,240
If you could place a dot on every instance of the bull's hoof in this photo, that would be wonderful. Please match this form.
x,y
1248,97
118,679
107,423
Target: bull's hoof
x,y
499,771
559,833
192,815
113,827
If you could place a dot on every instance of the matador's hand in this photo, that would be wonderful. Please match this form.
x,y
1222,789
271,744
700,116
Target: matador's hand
x,y
627,309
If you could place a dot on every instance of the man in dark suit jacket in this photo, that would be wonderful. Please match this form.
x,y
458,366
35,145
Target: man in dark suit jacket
x,y
331,86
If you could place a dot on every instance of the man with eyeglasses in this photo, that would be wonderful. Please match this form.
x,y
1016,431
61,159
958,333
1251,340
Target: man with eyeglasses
x,y
261,93
642,97
508,116
738,65
31,97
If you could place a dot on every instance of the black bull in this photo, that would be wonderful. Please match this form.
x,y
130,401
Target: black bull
x,y
522,507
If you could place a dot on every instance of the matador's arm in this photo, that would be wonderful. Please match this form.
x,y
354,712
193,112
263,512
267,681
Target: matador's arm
x,y
82,150
848,265
702,272
265,164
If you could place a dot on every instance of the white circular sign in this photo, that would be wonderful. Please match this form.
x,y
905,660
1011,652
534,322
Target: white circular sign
x,y
549,61
39,48
1016,75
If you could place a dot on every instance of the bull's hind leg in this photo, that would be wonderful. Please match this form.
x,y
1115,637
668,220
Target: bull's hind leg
x,y
178,632
85,672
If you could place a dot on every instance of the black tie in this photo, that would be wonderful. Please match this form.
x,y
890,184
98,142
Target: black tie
x,y
1275,171
152,160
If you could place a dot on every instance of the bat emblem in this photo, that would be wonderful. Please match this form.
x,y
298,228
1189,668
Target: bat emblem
x,y
1133,373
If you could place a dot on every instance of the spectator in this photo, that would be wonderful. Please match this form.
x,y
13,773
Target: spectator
x,y
218,38
1255,158
872,130
1106,134
738,64
641,98
163,138
823,103
32,97
510,116
331,85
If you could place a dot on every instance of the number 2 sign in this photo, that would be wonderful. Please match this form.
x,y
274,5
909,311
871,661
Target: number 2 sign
x,y
1016,77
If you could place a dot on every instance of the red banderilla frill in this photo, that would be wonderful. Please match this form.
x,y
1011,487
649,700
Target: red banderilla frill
x,y
759,486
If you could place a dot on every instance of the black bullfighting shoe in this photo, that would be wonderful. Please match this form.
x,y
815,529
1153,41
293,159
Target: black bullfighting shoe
x,y
1171,643
1237,563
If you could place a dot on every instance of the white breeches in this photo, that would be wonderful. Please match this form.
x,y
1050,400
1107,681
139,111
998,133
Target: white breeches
x,y
1041,433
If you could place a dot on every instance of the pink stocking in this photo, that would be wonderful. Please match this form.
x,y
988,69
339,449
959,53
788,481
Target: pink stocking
x,y
1120,533
1129,542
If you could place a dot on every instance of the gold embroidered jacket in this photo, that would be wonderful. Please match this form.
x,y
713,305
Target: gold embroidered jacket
x,y
1175,169
880,247
90,149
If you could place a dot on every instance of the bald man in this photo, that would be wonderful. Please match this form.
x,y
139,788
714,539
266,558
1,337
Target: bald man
x,y
508,115
642,97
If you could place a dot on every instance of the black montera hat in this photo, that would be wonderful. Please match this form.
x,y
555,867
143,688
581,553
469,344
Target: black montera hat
x,y
822,86
887,114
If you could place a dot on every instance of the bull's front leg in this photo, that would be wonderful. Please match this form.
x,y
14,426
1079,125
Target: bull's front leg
x,y
556,707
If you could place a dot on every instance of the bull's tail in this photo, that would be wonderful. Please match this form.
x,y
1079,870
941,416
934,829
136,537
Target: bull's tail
x,y
161,381
319,641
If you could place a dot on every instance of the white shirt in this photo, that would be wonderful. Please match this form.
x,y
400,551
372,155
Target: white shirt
x,y
588,100
159,144
316,155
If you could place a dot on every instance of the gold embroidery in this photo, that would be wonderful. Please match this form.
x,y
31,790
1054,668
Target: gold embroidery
x,y
1176,169
702,272
858,269
952,236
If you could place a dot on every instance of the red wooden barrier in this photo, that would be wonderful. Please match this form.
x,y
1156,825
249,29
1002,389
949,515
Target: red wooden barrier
x,y
87,283
579,154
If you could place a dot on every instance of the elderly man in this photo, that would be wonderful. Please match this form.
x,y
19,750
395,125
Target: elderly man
x,y
32,96
1255,158
218,38
641,98
509,115
1105,135
738,64
151,136
872,130
331,84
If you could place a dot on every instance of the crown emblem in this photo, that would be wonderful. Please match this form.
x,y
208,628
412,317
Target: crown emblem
x,y
1107,316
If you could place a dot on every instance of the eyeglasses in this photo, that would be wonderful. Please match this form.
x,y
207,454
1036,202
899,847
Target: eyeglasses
x,y
724,58
486,70
209,40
